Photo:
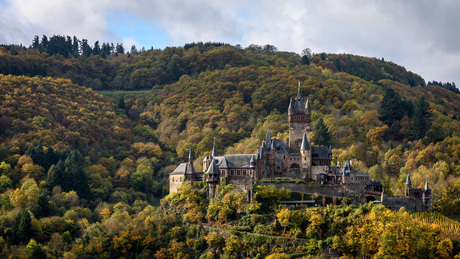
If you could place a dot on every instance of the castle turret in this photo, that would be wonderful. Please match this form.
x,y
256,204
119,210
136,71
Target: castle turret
x,y
408,185
205,163
268,141
189,170
290,108
305,152
426,196
299,121
214,153
212,178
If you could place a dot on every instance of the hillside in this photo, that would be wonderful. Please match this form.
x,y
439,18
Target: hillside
x,y
89,167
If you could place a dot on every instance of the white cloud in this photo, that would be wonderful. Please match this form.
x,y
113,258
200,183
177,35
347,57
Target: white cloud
x,y
421,35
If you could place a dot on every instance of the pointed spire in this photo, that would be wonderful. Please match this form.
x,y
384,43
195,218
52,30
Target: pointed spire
x,y
190,158
298,92
307,106
408,181
298,106
426,185
214,153
305,145
290,105
252,162
268,139
213,173
348,166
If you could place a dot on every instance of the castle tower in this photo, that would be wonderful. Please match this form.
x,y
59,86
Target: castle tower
x,y
408,185
299,121
426,196
305,152
189,170
205,163
207,159
212,178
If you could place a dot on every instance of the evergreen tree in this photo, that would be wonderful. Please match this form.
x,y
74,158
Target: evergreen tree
x,y
22,227
305,60
38,253
120,49
38,154
421,118
36,43
391,107
56,175
121,103
42,207
74,176
322,136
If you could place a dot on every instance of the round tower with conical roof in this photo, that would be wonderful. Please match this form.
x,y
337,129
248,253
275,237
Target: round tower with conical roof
x,y
305,151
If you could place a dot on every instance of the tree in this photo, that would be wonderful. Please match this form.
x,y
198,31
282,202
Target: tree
x,y
305,60
421,118
22,227
42,208
391,107
321,135
307,52
120,49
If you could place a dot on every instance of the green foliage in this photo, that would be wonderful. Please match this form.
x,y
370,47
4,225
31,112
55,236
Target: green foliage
x,y
202,91
321,135
421,118
390,107
22,227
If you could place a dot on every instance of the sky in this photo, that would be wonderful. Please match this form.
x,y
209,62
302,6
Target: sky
x,y
421,35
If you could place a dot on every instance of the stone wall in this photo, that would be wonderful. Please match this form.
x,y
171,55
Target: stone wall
x,y
352,191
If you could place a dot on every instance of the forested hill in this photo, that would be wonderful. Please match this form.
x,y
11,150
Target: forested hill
x,y
84,164
104,66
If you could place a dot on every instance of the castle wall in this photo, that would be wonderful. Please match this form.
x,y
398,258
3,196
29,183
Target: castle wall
x,y
318,170
175,181
353,191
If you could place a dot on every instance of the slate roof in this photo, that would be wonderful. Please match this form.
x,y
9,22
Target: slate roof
x,y
278,146
234,161
307,105
320,153
180,169
183,168
212,170
305,145
189,168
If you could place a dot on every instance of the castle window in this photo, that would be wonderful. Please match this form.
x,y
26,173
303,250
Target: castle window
x,y
232,172
244,172
223,172
238,172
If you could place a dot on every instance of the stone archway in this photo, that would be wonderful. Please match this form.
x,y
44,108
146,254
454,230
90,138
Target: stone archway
x,y
370,198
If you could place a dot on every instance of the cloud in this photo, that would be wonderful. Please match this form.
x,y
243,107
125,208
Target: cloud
x,y
421,35
84,19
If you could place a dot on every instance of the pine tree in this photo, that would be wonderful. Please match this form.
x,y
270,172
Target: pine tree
x,y
322,136
391,107
421,118
22,227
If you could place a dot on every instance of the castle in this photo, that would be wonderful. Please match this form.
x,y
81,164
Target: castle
x,y
275,159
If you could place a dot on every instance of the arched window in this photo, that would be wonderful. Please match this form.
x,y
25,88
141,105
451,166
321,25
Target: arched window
x,y
295,166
